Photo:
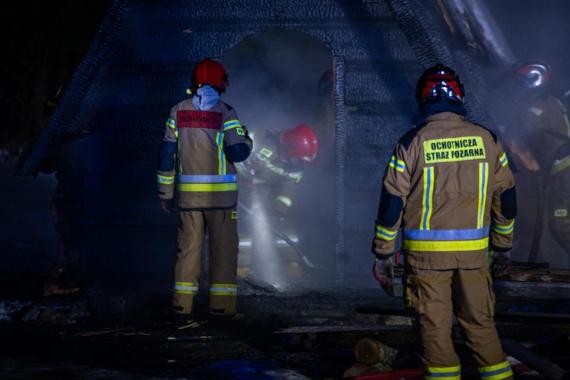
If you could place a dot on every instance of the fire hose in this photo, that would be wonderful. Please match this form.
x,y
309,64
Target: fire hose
x,y
282,236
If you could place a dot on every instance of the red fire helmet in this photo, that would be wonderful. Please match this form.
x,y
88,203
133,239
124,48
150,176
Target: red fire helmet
x,y
211,72
299,142
437,83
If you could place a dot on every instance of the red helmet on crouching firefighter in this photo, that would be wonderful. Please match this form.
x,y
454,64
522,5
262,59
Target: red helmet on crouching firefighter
x,y
299,143
439,83
210,72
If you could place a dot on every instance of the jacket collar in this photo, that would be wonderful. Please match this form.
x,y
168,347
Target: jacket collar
x,y
444,116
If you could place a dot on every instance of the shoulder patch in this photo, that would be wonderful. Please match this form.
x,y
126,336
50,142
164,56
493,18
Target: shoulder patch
x,y
408,137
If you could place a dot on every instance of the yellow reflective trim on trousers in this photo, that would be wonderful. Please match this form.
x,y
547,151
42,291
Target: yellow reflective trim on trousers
x,y
185,287
443,373
207,187
223,285
185,283
446,246
223,289
482,197
496,372
427,197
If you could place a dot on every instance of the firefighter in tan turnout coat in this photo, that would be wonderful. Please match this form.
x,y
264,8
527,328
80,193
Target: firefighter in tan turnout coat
x,y
449,187
203,139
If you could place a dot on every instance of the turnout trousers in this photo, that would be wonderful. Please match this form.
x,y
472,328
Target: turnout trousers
x,y
435,295
221,227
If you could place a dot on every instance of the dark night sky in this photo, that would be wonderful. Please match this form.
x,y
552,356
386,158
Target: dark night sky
x,y
41,43
537,29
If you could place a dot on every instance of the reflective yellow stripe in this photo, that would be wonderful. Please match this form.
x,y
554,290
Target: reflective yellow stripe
x,y
446,246
451,376
560,165
165,180
285,200
504,230
427,198
482,198
503,159
170,123
185,283
185,287
207,187
399,165
385,234
223,289
496,372
221,155
445,373
231,124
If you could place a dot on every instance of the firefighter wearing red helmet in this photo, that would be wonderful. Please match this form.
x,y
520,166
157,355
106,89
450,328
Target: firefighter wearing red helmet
x,y
449,188
203,139
274,173
278,164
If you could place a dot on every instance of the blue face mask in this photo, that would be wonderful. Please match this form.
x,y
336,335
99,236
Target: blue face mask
x,y
205,98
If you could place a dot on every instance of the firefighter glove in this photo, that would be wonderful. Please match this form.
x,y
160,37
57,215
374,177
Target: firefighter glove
x,y
383,271
167,206
502,264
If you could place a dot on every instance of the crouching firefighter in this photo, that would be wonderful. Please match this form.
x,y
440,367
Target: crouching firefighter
x,y
449,187
202,141
279,164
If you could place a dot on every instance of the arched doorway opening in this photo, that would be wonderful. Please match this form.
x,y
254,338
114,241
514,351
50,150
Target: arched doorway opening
x,y
279,80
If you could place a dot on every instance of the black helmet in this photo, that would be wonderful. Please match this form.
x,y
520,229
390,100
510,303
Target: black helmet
x,y
439,83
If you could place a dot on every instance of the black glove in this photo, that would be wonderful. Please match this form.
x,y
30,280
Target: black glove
x,y
383,271
167,205
502,264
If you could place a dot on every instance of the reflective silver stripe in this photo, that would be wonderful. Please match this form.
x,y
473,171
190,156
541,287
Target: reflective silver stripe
x,y
228,178
165,180
186,287
229,290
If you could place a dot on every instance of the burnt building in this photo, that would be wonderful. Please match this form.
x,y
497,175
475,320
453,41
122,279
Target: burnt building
x,y
140,65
